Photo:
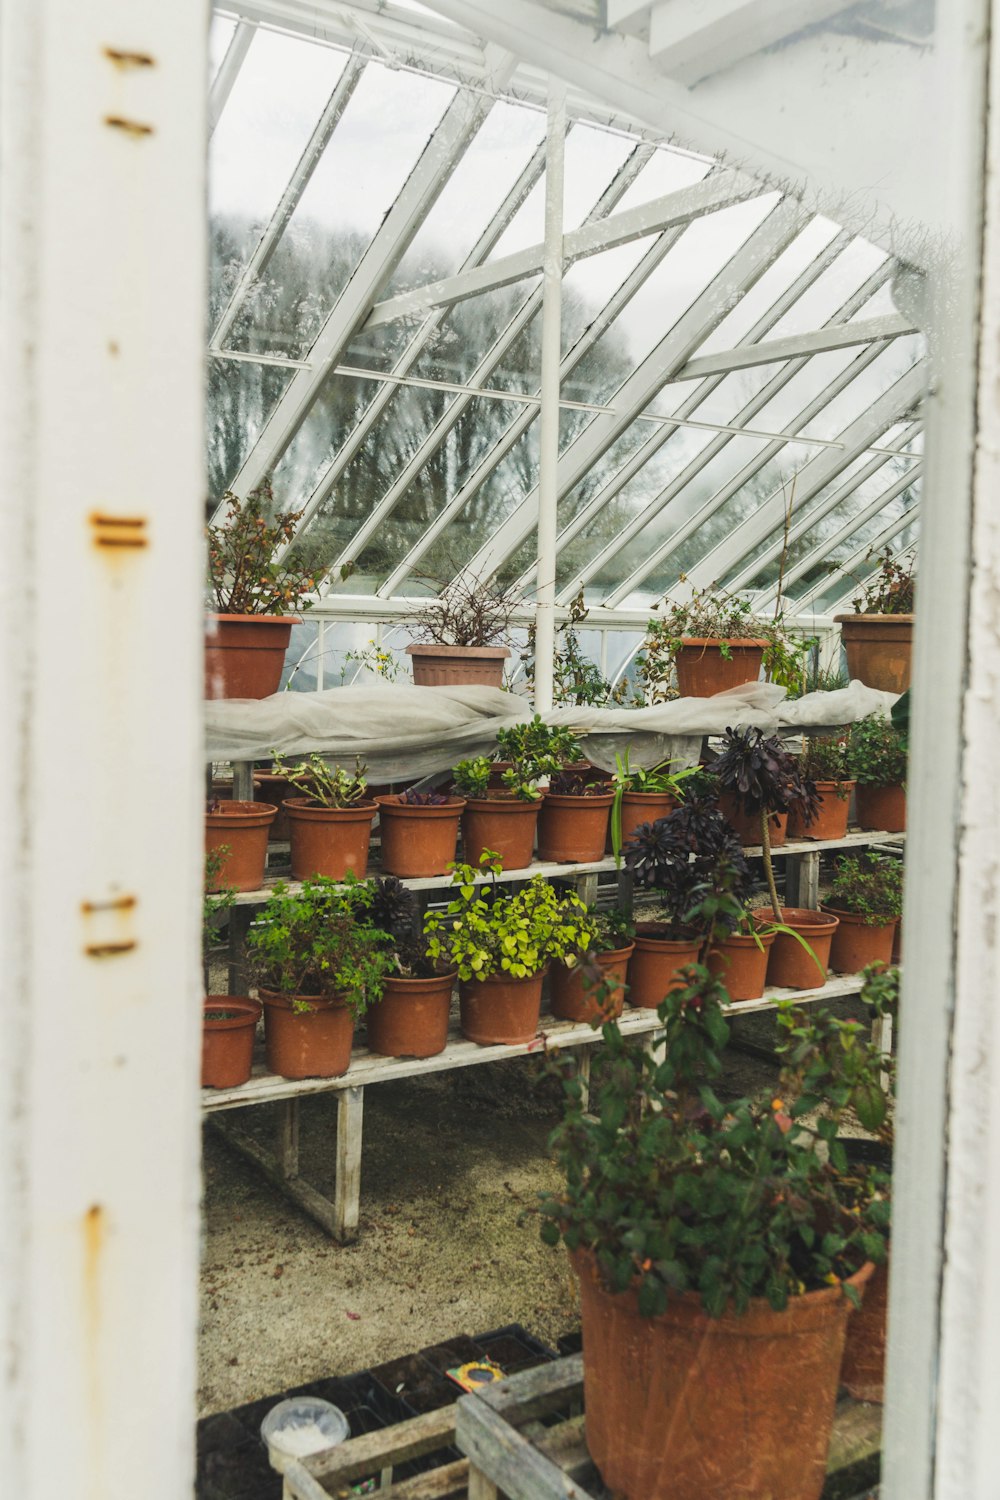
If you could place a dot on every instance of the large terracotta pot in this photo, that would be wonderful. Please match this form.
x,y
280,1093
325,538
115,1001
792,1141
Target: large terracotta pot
x,y
863,1369
572,999
505,824
688,1407
242,827
572,830
245,654
227,1044
740,961
856,944
329,840
418,840
790,966
411,1019
830,821
654,968
501,1009
878,649
644,807
307,1044
450,666
702,670
747,825
881,807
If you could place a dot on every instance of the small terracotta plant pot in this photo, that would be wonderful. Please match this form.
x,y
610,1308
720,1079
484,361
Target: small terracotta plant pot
x,y
307,1044
830,821
791,966
411,1019
857,944
329,840
242,827
740,961
269,787
881,807
505,824
702,670
654,968
418,840
227,1038
245,654
501,1009
451,666
570,997
687,1407
878,649
573,829
747,825
644,807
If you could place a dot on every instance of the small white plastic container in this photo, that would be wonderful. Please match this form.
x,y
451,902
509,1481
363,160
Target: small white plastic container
x,y
300,1427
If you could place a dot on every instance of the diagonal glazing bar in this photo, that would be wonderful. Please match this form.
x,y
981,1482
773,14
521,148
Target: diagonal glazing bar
x,y
858,556
817,341
459,124
229,69
297,184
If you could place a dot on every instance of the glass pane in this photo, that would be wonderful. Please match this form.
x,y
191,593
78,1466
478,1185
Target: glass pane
x,y
238,401
592,159
723,401
462,340
335,413
883,372
845,585
667,171
839,281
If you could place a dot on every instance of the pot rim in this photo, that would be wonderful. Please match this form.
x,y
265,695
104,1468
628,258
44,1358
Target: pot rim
x,y
856,619
741,642
502,977
405,983
503,804
566,799
854,919
250,1011
304,807
799,917
743,940
694,941
256,619
391,803
479,653
280,1001
244,813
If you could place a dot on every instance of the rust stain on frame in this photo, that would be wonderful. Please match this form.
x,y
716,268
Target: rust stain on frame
x,y
123,58
119,531
135,128
94,1227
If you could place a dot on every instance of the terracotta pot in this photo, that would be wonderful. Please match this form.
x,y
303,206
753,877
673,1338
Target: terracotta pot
x,y
855,944
702,670
245,654
572,999
269,787
243,827
863,1369
740,961
450,666
644,807
411,1019
878,649
329,840
505,824
654,968
501,1009
418,840
881,807
688,1407
227,1046
830,821
573,829
747,827
307,1044
790,966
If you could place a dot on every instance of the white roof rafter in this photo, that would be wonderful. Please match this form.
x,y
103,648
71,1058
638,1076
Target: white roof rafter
x,y
857,557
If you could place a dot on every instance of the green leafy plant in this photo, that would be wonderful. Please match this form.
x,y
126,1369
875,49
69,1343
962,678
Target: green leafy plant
x,y
825,759
328,786
656,778
575,678
321,941
215,900
245,576
372,658
536,749
869,886
877,752
472,777
712,614
891,591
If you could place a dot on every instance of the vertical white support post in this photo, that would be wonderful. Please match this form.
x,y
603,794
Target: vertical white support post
x,y
102,305
548,423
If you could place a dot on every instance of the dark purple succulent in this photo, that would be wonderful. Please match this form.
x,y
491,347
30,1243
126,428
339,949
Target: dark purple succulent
x,y
412,798
569,783
763,776
691,854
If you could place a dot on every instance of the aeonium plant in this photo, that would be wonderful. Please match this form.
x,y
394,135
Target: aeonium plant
x,y
392,909
321,942
245,574
687,856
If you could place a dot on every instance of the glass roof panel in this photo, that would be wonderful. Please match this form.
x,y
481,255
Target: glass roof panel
x,y
721,404
845,585
472,328
238,401
335,413
503,489
592,159
819,303
665,172
896,358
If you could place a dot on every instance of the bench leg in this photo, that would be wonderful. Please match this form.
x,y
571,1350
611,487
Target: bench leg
x,y
347,1191
287,1142
802,880
583,1058
481,1488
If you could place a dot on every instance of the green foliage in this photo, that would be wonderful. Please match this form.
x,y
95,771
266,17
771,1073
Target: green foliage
x,y
537,749
877,752
321,941
880,991
638,779
472,777
891,591
244,575
215,899
824,759
576,679
329,786
869,886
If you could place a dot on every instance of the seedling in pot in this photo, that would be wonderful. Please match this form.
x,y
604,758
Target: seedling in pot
x,y
329,786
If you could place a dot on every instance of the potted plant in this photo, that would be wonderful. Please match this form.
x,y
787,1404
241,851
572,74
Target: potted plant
x,y
331,826
876,758
867,898
254,595
320,963
462,635
501,943
505,818
824,763
718,1262
411,1017
641,795
419,831
573,818
240,829
229,1022
593,989
878,636
714,641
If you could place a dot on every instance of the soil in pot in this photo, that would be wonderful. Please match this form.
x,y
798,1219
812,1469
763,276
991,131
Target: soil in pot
x,y
228,1031
791,966
740,961
501,1009
411,1019
571,998
329,840
242,828
245,654
747,825
881,807
688,1407
702,669
418,840
505,824
573,829
658,957
856,944
307,1044
451,666
830,821
878,649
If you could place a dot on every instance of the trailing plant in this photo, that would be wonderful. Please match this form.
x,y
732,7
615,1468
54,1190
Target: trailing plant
x,y
468,611
712,614
329,786
575,678
877,752
869,886
891,591
321,941
245,575
685,857
429,798
472,777
674,1191
825,759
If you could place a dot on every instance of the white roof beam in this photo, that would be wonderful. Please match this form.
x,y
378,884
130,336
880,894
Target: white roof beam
x,y
818,341
692,39
846,568
228,72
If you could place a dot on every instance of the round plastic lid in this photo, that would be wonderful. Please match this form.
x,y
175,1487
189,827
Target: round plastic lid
x,y
302,1426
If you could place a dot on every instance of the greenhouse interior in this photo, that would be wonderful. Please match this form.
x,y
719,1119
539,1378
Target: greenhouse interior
x,y
465,1044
